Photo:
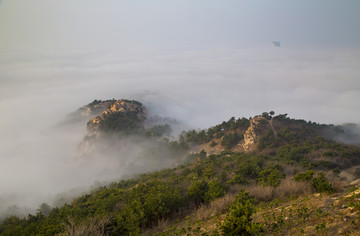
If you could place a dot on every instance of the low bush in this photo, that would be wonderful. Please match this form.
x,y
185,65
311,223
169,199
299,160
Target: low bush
x,y
320,183
238,220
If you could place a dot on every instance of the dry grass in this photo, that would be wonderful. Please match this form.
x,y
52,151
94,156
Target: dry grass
x,y
312,214
217,206
204,212
260,193
287,188
336,182
94,227
234,189
162,224
289,170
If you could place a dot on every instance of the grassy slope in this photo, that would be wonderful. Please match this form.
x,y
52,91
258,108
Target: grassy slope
x,y
312,214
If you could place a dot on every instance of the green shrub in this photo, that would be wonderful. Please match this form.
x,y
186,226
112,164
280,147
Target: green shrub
x,y
247,169
291,153
322,184
196,191
289,135
238,220
330,154
301,177
337,170
124,122
325,165
270,177
215,190
213,144
230,140
268,140
158,131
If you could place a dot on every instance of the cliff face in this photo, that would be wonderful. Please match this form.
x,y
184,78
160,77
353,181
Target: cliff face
x,y
251,136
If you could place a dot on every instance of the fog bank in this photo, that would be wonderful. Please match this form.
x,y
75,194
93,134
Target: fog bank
x,y
198,87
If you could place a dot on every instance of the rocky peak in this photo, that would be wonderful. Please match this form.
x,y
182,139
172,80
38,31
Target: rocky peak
x,y
127,106
119,115
95,108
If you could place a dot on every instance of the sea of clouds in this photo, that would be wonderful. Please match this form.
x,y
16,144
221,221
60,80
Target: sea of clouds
x,y
198,87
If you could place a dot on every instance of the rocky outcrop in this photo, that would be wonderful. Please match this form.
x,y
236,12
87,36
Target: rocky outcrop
x,y
114,117
96,108
250,135
83,114
249,143
119,111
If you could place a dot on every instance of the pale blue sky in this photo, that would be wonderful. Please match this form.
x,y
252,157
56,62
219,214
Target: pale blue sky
x,y
54,24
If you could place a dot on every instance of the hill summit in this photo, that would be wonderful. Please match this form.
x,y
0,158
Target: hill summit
x,y
118,115
262,133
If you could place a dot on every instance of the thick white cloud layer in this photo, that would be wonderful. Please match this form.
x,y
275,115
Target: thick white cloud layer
x,y
201,88
321,85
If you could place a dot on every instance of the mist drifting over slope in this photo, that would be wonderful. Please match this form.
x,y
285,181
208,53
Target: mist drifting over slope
x,y
215,61
201,88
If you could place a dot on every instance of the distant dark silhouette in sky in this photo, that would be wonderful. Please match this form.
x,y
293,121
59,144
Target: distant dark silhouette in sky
x,y
276,43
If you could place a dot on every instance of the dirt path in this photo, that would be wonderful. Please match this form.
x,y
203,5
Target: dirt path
x,y
272,127
275,132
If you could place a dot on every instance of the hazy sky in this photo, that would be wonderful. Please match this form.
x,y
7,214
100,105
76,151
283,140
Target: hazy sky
x,y
54,24
200,61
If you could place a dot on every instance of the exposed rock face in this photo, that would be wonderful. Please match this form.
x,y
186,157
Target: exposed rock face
x,y
119,111
96,108
257,128
114,116
83,114
250,136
